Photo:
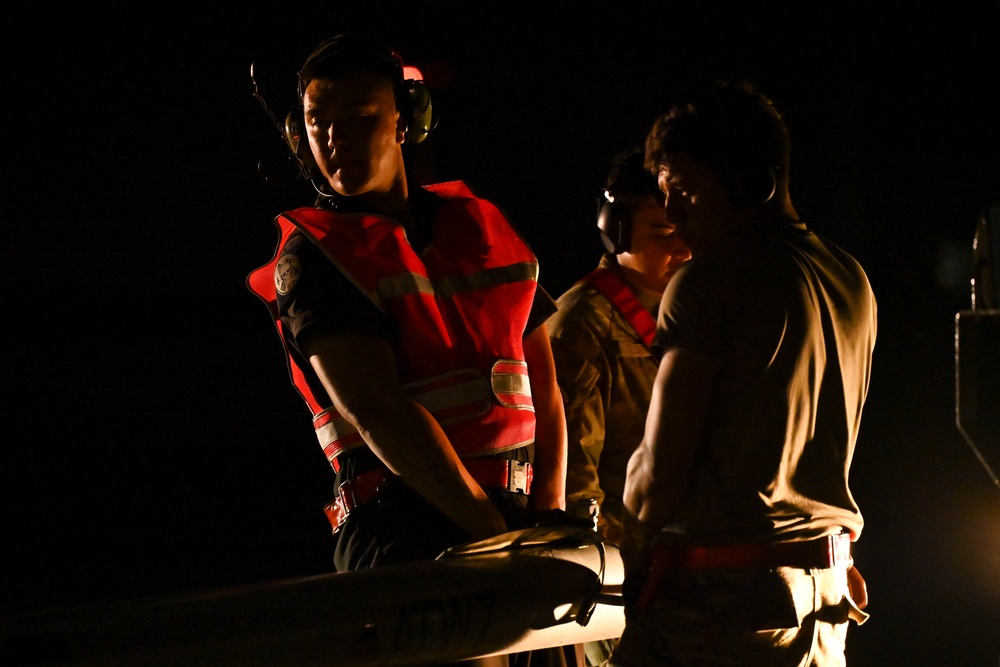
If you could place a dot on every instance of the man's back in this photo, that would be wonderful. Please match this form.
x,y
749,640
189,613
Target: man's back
x,y
767,337
790,320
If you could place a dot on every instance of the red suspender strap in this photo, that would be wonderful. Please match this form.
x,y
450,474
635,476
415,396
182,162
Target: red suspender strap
x,y
608,283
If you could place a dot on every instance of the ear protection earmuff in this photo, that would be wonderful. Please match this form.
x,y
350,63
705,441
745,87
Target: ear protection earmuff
x,y
294,126
612,221
414,96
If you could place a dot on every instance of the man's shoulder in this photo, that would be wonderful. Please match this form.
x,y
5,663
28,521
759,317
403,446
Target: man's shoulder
x,y
312,217
579,328
298,244
581,295
741,259
458,193
451,189
581,307
840,255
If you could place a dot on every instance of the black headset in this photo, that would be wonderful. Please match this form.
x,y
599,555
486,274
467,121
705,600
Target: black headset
x,y
613,222
413,97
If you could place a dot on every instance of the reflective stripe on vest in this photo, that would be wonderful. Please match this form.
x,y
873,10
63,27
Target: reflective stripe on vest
x,y
403,284
450,398
510,384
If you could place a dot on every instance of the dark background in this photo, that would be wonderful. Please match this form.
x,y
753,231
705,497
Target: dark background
x,y
153,442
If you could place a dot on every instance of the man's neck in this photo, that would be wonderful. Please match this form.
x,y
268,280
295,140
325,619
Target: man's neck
x,y
639,280
776,215
393,204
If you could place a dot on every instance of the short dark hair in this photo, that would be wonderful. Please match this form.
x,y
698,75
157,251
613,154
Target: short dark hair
x,y
347,53
733,128
629,179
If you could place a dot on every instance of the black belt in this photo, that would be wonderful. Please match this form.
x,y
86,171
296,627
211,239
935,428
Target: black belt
x,y
491,474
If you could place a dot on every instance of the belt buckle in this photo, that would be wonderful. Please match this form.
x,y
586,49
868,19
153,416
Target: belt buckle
x,y
347,497
517,477
840,549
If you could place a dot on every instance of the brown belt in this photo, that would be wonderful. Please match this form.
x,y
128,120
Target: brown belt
x,y
491,474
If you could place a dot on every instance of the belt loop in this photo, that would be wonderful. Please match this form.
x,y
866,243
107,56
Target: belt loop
x,y
347,496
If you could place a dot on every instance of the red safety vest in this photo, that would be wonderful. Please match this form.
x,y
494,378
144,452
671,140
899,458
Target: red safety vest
x,y
621,296
461,307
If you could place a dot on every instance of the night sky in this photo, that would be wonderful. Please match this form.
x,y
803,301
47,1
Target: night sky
x,y
154,442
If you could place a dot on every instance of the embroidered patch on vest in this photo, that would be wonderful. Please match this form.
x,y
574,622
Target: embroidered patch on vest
x,y
286,273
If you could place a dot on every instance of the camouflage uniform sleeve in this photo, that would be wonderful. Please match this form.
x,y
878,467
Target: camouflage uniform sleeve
x,y
583,375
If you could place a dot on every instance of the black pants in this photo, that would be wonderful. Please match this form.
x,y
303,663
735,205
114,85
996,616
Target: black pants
x,y
402,527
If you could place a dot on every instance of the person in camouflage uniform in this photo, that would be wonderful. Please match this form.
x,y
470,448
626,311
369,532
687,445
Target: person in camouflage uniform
x,y
601,339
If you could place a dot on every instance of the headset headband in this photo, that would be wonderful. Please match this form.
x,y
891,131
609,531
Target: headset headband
x,y
346,52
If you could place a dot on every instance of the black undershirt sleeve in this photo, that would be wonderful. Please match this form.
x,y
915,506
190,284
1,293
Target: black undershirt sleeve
x,y
325,300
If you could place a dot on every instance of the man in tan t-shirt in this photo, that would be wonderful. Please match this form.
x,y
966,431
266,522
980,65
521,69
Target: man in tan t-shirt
x,y
739,515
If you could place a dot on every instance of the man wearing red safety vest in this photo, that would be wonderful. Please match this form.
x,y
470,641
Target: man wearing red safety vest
x,y
601,342
414,327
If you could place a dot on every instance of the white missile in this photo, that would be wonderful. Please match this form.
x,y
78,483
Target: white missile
x,y
520,591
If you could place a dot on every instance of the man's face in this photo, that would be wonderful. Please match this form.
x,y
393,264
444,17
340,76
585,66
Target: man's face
x,y
352,127
697,201
656,248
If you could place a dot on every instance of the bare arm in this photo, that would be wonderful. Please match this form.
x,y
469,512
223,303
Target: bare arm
x,y
359,373
661,470
548,488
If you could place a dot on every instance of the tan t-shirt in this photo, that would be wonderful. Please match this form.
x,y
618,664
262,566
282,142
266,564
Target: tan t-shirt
x,y
791,321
